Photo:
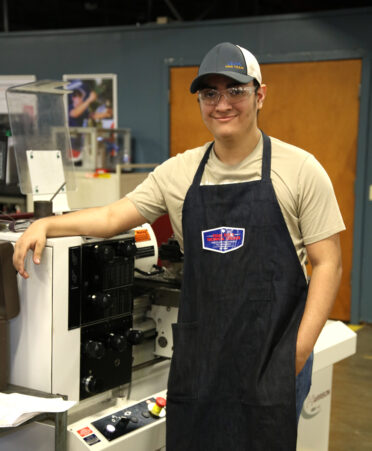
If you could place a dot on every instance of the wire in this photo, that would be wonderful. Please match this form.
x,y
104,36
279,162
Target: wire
x,y
159,270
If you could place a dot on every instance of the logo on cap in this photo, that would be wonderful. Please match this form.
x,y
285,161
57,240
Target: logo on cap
x,y
234,65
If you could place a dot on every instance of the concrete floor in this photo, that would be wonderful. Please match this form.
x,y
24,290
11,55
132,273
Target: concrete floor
x,y
351,408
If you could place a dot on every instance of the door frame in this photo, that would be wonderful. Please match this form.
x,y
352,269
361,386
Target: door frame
x,y
361,307
359,303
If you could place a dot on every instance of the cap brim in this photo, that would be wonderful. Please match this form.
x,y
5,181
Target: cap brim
x,y
198,82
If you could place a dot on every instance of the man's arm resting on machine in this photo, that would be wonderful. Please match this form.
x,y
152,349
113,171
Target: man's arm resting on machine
x,y
102,222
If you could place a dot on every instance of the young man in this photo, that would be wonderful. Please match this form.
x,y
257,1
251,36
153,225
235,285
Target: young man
x,y
78,108
247,210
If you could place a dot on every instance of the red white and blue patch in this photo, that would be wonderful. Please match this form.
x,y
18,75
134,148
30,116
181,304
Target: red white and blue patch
x,y
223,239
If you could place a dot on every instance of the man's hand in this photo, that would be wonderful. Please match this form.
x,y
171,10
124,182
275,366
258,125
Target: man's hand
x,y
34,238
92,97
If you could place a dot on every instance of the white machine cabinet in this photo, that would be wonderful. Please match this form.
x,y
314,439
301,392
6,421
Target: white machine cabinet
x,y
335,343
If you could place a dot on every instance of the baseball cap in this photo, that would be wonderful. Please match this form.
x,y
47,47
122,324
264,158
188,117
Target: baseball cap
x,y
77,87
230,60
78,91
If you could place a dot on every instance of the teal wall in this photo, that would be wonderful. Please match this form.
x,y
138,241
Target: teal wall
x,y
141,56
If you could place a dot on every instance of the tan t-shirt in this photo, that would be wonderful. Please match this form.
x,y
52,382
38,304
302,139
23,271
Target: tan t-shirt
x,y
303,189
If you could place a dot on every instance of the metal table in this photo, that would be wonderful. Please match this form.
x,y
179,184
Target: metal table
x,y
59,418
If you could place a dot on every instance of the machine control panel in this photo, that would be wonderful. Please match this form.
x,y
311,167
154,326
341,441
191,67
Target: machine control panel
x,y
100,280
127,420
129,425
106,355
101,274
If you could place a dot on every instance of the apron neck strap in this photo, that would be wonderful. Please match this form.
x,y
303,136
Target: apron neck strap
x,y
266,161
266,157
199,173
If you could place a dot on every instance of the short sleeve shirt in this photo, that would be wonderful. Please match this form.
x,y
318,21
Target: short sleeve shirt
x,y
303,189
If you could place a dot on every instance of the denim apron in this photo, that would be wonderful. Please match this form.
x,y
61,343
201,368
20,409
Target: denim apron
x,y
232,377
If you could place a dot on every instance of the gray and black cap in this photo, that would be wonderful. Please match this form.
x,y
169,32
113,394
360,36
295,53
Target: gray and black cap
x,y
230,60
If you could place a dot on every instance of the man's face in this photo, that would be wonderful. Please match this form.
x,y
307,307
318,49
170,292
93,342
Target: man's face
x,y
225,120
77,100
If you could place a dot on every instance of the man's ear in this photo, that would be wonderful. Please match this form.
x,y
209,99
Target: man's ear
x,y
260,96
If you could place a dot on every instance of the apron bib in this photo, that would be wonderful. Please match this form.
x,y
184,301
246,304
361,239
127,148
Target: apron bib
x,y
232,377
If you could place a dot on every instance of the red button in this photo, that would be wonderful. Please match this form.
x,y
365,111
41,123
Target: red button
x,y
161,402
84,432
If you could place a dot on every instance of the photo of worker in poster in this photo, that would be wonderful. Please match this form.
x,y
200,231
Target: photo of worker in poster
x,y
92,102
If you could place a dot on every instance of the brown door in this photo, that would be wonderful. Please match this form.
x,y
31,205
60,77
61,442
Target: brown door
x,y
313,105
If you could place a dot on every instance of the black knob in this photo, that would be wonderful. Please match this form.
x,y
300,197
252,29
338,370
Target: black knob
x,y
92,385
117,342
94,349
100,300
135,337
74,277
123,422
162,342
104,252
127,249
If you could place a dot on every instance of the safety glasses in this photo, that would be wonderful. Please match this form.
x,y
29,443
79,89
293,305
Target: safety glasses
x,y
235,94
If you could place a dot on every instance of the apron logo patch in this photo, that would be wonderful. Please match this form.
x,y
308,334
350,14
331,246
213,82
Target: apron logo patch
x,y
223,239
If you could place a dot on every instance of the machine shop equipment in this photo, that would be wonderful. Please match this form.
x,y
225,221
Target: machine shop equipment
x,y
83,332
100,303
101,148
44,159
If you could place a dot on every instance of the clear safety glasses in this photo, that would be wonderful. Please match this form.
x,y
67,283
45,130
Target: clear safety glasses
x,y
235,94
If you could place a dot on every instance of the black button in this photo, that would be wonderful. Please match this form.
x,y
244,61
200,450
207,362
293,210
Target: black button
x,y
123,422
145,414
134,419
